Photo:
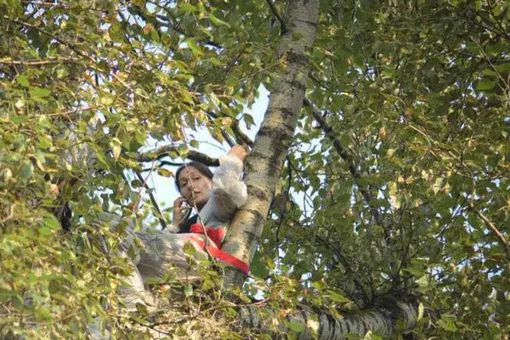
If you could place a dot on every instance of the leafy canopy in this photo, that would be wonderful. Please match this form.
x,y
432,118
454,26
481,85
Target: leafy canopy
x,y
400,159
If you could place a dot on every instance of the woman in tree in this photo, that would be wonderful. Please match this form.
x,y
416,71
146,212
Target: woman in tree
x,y
215,198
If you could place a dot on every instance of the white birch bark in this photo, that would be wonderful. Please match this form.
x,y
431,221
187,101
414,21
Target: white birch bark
x,y
264,164
388,318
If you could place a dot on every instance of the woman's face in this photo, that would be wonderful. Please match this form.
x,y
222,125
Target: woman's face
x,y
195,187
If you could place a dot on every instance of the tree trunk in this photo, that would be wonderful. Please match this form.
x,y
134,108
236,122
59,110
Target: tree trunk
x,y
387,318
264,164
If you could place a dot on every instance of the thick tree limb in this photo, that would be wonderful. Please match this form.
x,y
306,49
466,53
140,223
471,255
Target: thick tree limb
x,y
166,150
388,317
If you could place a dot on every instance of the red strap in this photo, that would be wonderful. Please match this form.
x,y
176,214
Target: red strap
x,y
216,235
225,257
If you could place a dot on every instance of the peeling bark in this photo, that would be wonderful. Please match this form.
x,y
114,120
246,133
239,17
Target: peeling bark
x,y
387,318
264,164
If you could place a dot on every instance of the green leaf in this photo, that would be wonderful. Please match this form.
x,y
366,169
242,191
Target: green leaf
x,y
231,81
20,119
248,119
423,283
116,144
497,48
188,290
186,7
27,170
448,324
193,46
62,73
52,222
45,231
23,81
217,21
37,92
102,159
295,326
194,143
503,67
45,142
485,85
258,267
371,336
437,185
420,312
337,297
164,172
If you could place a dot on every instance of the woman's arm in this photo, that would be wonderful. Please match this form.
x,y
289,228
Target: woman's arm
x,y
228,192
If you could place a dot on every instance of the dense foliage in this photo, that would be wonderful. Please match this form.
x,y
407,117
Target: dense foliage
x,y
396,183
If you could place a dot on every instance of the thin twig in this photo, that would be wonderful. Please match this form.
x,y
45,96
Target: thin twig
x,y
230,141
283,27
491,225
347,157
76,50
10,216
153,200
241,137
177,26
211,309
45,3
39,62
58,39
151,326
337,250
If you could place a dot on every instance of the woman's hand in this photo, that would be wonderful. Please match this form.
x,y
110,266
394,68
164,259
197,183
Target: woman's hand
x,y
238,151
180,205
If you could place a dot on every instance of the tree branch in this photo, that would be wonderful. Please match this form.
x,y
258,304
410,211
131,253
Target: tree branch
x,y
39,62
224,133
347,157
166,150
58,39
153,199
283,27
240,136
73,47
45,3
493,228
264,164
388,317
176,26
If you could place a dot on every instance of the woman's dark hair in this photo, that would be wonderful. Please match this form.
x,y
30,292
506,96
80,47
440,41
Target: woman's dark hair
x,y
202,168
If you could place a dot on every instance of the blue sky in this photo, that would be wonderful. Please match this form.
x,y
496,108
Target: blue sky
x,y
164,188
